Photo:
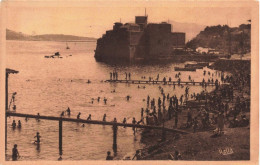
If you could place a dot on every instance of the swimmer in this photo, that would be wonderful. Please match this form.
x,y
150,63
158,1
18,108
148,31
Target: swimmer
x,y
13,124
124,121
14,107
89,117
19,124
104,117
105,100
109,157
37,119
37,138
68,111
15,153
78,116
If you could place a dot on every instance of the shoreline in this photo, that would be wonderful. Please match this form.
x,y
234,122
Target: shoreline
x,y
56,40
234,144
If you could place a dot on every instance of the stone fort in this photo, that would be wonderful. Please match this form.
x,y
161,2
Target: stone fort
x,y
139,40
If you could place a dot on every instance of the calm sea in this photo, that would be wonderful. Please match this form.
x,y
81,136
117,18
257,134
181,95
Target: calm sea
x,y
50,86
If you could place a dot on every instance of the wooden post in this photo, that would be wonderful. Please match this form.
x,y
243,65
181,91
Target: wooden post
x,y
6,91
6,106
115,138
60,136
5,133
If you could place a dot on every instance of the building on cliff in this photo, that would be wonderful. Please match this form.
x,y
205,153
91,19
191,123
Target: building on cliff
x,y
139,40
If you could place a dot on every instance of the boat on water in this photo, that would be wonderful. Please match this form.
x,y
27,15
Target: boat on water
x,y
184,69
67,47
192,66
56,55
199,65
190,62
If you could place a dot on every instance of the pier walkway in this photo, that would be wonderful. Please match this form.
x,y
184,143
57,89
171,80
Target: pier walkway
x,y
161,82
114,125
93,122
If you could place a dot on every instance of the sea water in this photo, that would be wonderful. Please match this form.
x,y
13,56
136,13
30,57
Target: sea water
x,y
50,85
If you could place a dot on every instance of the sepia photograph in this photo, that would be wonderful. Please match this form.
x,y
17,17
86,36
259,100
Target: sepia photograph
x,y
129,81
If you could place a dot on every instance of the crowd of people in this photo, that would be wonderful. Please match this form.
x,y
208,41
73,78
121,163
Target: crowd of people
x,y
216,108
114,75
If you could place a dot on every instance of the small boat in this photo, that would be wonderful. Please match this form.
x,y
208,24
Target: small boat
x,y
67,47
57,54
198,65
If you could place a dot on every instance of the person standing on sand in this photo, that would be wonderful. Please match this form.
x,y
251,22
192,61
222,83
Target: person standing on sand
x,y
134,122
147,111
148,100
220,123
195,124
142,113
137,155
177,155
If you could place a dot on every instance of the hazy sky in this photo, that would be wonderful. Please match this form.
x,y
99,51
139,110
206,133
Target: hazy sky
x,y
93,21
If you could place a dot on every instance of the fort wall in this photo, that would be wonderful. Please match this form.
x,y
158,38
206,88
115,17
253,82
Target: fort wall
x,y
178,40
138,40
159,40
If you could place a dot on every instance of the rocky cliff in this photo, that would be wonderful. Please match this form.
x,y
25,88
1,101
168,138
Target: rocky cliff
x,y
224,38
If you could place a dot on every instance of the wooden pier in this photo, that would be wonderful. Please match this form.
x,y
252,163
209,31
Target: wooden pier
x,y
162,82
114,125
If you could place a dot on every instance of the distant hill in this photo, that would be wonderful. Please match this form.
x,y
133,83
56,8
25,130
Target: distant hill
x,y
191,29
12,35
221,37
